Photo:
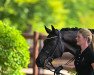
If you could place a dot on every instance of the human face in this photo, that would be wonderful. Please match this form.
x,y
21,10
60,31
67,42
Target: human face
x,y
80,39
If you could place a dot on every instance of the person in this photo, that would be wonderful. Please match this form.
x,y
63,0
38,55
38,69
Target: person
x,y
84,58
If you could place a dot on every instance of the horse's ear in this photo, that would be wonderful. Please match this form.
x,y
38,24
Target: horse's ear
x,y
47,30
53,29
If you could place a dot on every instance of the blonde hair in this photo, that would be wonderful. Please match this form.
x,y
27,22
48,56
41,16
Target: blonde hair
x,y
87,34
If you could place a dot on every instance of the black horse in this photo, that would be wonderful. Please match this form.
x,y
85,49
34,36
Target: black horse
x,y
57,42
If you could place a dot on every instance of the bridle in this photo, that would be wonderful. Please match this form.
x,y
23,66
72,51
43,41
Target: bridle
x,y
48,60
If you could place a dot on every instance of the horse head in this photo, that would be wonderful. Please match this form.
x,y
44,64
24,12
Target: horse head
x,y
53,47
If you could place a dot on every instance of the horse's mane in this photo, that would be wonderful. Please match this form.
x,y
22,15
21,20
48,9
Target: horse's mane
x,y
74,29
70,29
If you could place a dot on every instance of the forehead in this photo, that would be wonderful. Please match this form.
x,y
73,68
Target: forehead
x,y
51,35
79,34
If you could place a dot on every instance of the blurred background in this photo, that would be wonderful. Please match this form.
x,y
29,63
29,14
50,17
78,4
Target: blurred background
x,y
30,17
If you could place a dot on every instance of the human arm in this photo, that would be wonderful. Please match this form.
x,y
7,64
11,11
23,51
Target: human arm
x,y
92,65
92,59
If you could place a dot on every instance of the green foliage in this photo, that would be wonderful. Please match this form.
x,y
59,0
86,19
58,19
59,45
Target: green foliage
x,y
24,14
48,12
16,13
14,54
80,13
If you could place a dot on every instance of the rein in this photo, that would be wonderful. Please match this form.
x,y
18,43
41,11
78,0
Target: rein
x,y
48,62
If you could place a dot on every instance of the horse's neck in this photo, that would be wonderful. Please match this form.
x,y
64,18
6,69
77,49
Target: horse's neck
x,y
68,37
70,48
